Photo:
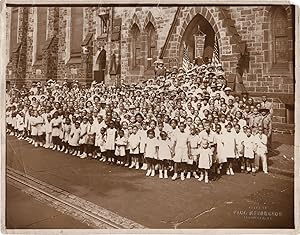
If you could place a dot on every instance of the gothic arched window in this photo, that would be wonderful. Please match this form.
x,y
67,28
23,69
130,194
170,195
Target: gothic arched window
x,y
280,36
13,29
76,30
151,44
41,31
136,47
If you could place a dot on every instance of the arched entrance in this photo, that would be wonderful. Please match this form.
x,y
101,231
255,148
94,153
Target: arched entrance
x,y
99,75
198,39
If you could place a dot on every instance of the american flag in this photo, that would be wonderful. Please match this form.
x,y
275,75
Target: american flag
x,y
185,60
215,59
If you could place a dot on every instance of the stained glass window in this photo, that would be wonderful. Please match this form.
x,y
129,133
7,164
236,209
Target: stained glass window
x,y
280,37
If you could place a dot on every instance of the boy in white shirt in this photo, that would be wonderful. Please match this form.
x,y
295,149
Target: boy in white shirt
x,y
261,141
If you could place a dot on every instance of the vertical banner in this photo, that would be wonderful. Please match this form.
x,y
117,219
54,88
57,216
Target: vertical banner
x,y
199,45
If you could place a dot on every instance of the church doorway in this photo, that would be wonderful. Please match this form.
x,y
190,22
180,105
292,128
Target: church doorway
x,y
99,75
198,40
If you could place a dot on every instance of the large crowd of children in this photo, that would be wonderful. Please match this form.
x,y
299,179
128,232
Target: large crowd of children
x,y
180,124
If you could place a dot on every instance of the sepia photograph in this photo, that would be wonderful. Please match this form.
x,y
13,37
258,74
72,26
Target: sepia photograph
x,y
146,117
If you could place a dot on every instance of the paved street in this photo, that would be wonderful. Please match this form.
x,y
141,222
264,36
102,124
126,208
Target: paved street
x,y
155,203
24,212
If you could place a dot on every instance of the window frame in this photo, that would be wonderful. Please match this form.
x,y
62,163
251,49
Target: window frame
x,y
77,53
136,45
151,45
13,42
39,54
283,65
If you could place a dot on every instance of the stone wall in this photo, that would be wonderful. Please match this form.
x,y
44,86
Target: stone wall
x,y
233,26
255,26
160,17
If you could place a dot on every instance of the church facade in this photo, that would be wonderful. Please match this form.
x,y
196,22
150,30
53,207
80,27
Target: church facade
x,y
122,43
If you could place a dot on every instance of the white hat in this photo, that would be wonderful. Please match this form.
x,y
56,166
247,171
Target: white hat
x,y
227,89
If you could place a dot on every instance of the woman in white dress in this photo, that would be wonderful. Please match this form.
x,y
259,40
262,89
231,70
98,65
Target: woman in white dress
x,y
229,142
180,150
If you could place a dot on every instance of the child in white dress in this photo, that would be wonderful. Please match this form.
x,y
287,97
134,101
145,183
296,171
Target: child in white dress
x,y
111,133
34,130
143,135
90,141
151,150
249,147
134,144
164,153
239,147
66,134
48,131
205,160
121,143
74,138
102,143
40,128
9,120
83,137
27,125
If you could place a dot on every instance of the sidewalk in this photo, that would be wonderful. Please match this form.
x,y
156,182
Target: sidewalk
x,y
281,159
158,203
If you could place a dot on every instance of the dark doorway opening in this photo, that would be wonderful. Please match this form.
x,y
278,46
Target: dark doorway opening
x,y
99,75
198,28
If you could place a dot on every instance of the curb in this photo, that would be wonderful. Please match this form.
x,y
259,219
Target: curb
x,y
281,172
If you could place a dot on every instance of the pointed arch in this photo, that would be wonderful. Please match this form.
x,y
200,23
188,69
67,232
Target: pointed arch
x,y
149,18
151,44
134,20
135,47
204,12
